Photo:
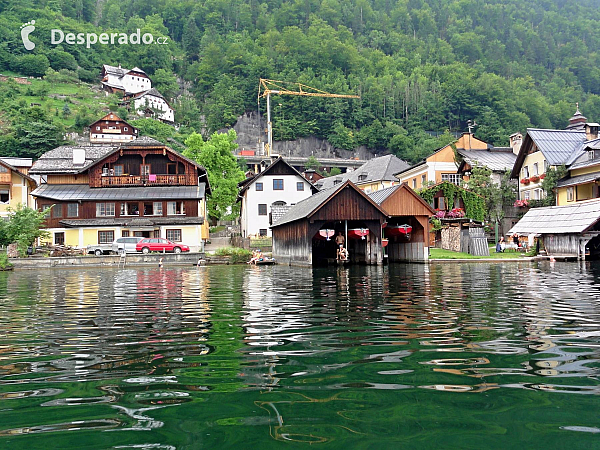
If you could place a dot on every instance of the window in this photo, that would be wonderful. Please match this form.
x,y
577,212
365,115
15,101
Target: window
x,y
259,186
106,237
423,180
148,209
174,208
174,235
125,233
526,195
536,194
453,178
119,170
105,210
362,177
171,168
59,238
262,209
72,209
97,128
278,184
570,194
4,196
545,166
262,232
125,129
414,183
535,169
57,211
130,209
525,172
158,209
3,169
144,169
300,186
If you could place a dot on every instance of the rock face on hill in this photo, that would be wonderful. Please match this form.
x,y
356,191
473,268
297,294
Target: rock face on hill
x,y
250,133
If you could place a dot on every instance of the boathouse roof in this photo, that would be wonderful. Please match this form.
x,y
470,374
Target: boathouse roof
x,y
495,160
569,219
408,203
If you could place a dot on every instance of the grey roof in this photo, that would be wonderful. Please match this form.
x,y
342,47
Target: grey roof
x,y
278,211
575,218
558,146
580,179
382,194
143,141
60,159
304,208
132,221
382,168
152,91
496,161
115,70
76,192
17,162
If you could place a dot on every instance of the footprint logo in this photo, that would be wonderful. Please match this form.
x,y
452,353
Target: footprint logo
x,y
26,30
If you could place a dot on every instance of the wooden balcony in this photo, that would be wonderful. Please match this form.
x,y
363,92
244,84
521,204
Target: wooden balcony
x,y
143,180
5,177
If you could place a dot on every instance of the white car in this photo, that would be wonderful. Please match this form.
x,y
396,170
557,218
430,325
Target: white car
x,y
126,244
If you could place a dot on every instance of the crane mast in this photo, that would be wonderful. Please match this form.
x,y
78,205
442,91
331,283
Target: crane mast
x,y
267,87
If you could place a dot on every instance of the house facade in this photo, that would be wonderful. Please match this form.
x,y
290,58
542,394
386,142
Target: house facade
x,y
583,180
141,188
441,165
125,81
151,102
15,185
277,185
112,129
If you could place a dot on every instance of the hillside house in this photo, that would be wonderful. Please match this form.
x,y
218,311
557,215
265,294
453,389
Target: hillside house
x,y
111,129
139,188
151,103
16,185
125,81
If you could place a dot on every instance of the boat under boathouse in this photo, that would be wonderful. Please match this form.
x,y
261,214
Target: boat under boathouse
x,y
305,234
407,229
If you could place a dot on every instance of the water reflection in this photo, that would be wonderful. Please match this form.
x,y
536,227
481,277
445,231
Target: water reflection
x,y
233,355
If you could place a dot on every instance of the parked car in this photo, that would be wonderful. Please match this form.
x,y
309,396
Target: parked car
x,y
148,245
126,244
100,249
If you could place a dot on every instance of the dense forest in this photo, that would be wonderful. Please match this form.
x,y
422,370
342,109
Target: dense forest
x,y
421,67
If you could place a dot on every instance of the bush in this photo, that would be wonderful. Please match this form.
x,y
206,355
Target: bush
x,y
237,255
4,264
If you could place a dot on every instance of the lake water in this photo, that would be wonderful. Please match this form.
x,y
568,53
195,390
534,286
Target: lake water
x,y
502,355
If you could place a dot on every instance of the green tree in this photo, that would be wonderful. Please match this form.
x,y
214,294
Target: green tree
x,y
165,82
155,129
312,163
23,226
553,174
224,174
36,138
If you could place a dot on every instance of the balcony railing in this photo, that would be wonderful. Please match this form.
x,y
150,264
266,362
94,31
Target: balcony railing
x,y
142,180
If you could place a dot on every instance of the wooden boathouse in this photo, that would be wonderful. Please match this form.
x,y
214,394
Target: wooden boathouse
x,y
297,238
405,207
569,231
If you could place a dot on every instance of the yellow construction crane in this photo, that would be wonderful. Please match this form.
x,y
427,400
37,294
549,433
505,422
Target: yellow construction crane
x,y
268,87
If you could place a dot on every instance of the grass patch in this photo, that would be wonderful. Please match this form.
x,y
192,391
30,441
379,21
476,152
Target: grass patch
x,y
236,254
438,253
216,229
261,242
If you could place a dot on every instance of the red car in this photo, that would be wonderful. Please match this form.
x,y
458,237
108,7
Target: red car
x,y
148,245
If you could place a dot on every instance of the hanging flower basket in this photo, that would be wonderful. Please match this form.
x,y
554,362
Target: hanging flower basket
x,y
525,181
534,179
521,204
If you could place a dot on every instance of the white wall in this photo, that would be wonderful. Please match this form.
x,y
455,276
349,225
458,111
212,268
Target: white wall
x,y
251,222
155,103
134,83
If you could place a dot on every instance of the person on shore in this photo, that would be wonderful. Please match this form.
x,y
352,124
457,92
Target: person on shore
x,y
501,245
516,240
256,256
160,263
340,241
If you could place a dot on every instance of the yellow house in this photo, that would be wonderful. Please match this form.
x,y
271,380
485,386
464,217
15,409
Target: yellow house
x,y
375,174
15,185
583,180
543,149
441,165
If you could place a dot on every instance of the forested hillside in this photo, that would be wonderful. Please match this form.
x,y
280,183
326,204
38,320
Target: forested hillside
x,y
418,65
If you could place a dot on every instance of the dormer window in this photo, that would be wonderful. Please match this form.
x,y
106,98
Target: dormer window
x,y
362,177
337,181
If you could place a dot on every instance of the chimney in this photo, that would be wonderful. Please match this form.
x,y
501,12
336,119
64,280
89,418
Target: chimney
x,y
516,140
591,131
78,156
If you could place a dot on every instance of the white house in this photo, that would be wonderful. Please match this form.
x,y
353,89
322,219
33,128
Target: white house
x,y
153,100
279,185
124,80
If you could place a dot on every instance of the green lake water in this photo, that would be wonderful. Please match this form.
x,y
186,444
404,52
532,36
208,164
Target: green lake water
x,y
501,355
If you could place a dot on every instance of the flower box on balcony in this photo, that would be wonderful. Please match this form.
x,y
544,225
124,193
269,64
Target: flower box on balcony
x,y
534,179
525,181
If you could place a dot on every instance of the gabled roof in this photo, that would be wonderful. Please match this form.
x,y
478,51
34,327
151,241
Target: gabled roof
x,y
60,159
382,195
558,146
579,179
152,91
14,169
114,70
377,169
136,69
112,117
576,218
309,206
496,161
245,184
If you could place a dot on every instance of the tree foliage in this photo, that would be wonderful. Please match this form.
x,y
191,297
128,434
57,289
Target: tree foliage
x,y
224,174
23,226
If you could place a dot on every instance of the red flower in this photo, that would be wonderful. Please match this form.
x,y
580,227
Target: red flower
x,y
525,181
534,179
542,176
